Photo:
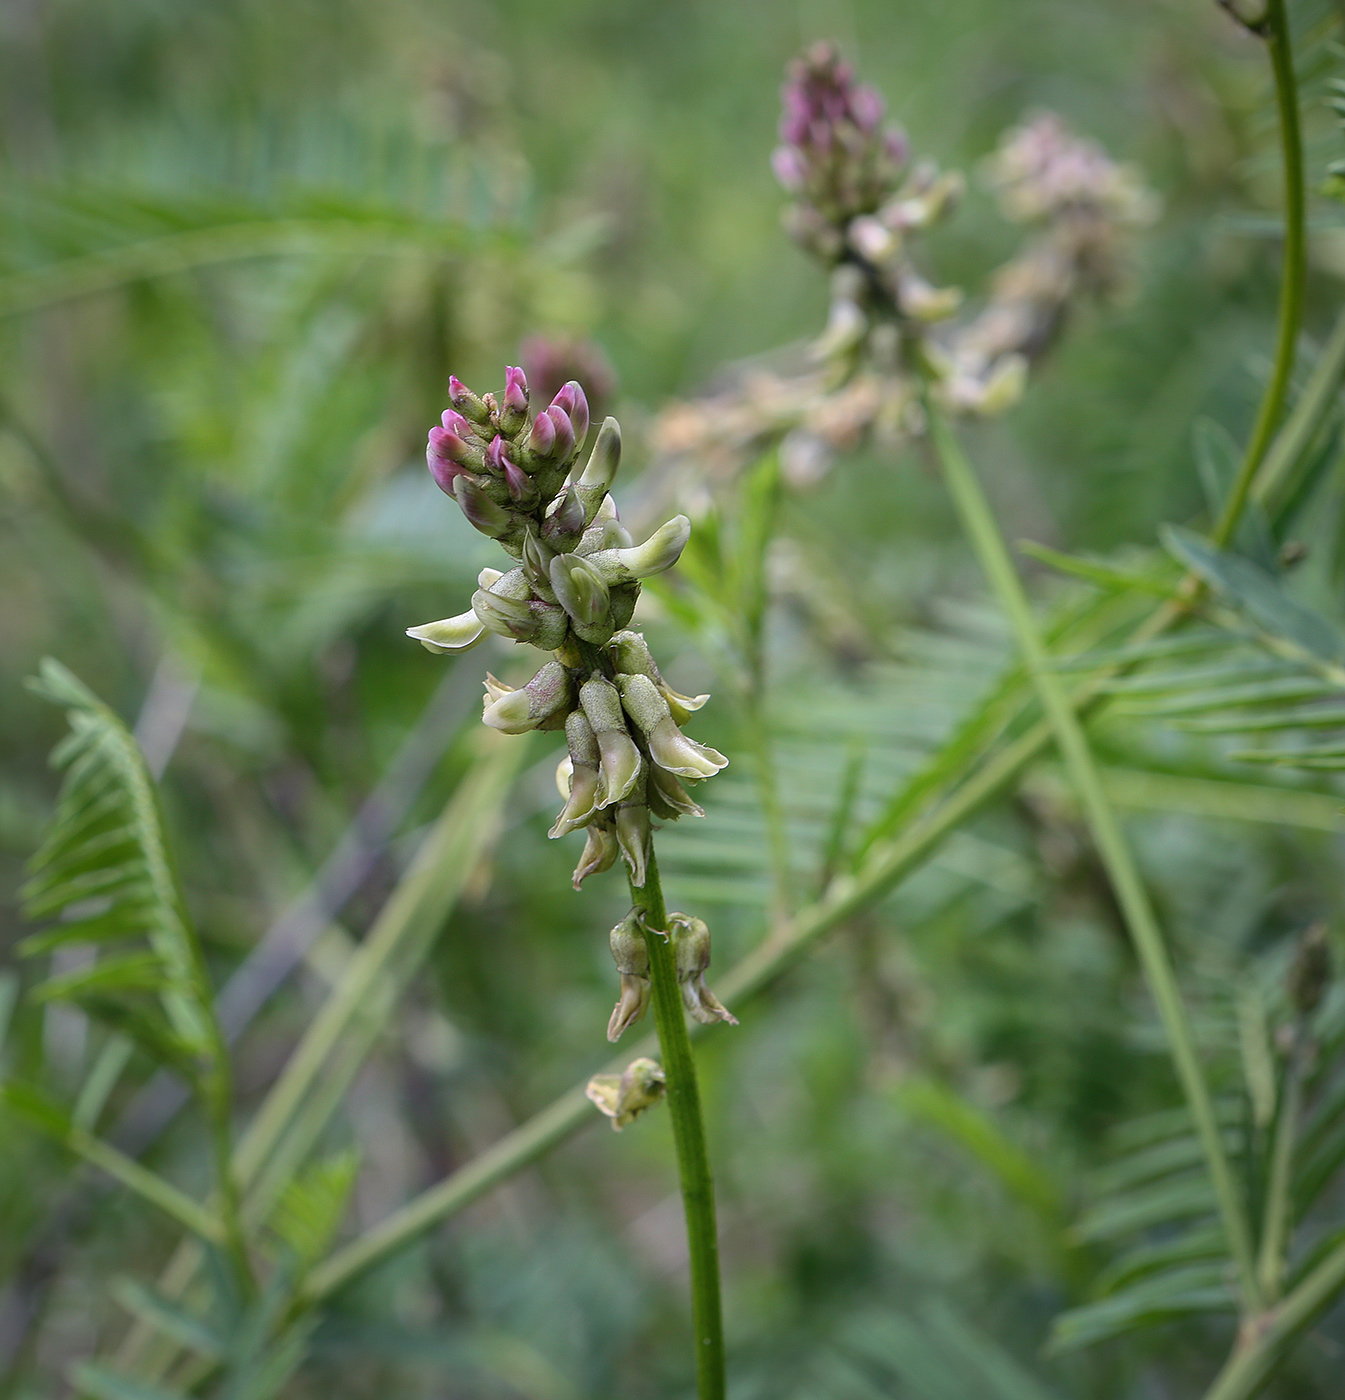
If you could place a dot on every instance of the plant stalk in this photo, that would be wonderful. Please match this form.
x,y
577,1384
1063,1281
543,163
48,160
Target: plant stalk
x,y
1261,1344
986,539
693,1160
1279,1191
1291,282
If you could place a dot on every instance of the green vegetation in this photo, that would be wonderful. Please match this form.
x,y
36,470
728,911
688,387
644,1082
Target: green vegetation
x,y
1021,617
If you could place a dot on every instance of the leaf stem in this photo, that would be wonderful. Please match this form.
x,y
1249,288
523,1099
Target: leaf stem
x,y
693,1161
1259,1348
1295,261
985,537
1279,1191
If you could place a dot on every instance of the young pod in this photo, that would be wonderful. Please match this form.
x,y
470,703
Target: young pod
x,y
630,952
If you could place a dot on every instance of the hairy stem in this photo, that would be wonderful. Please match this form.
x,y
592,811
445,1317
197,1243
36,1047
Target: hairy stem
x,y
1112,847
693,1161
1291,284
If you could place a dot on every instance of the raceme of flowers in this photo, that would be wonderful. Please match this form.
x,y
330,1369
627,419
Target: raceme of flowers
x,y
572,592
858,204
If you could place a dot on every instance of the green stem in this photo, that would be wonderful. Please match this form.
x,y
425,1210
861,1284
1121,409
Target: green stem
x,y
147,1184
1295,261
1130,892
1258,1350
693,1160
756,737
1279,1191
1311,409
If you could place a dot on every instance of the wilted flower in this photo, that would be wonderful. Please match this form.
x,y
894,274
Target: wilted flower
x,y
691,947
623,1097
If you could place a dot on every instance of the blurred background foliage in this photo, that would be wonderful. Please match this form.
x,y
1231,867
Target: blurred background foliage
x,y
241,248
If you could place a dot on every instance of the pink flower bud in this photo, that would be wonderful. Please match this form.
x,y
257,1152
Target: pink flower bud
x,y
497,455
454,422
445,455
542,439
518,481
515,390
466,402
560,420
866,108
571,400
790,168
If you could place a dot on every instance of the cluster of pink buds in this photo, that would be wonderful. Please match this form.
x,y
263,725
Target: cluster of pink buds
x,y
522,480
838,158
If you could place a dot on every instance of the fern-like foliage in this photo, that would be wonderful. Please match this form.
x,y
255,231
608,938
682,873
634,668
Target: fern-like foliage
x,y
104,876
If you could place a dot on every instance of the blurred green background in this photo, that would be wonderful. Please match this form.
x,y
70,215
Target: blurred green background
x,y
242,245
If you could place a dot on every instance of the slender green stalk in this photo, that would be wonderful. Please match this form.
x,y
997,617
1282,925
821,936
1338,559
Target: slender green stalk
x,y
147,1184
1279,1191
1254,1358
1295,262
343,1030
398,939
756,736
693,1160
1130,892
1315,402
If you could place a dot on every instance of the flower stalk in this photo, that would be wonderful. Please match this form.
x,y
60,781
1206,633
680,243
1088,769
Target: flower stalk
x,y
979,522
1275,28
520,480
684,1107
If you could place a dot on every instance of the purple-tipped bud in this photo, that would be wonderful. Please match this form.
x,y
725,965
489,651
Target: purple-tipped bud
x,y
571,401
456,423
480,510
442,459
515,390
866,107
518,481
466,402
568,517
542,439
496,455
560,420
